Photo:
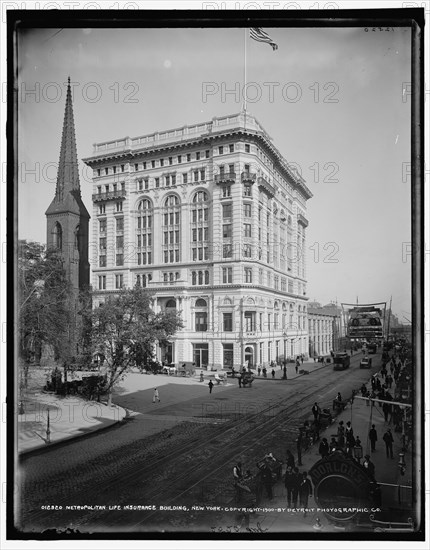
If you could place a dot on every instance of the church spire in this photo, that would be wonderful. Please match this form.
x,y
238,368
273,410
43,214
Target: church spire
x,y
68,191
68,172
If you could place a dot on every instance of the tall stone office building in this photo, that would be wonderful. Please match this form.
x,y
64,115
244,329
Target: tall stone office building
x,y
212,220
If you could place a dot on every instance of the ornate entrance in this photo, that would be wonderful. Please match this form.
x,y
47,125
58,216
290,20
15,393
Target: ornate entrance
x,y
249,356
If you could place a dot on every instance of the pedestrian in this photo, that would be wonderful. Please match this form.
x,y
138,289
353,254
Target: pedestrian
x,y
389,440
240,381
349,433
338,396
266,474
373,437
387,409
305,491
264,372
201,376
324,448
211,385
370,467
315,358
259,370
316,411
155,396
290,459
297,365
273,373
302,358
290,484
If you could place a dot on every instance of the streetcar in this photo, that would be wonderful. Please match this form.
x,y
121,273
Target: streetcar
x,y
341,361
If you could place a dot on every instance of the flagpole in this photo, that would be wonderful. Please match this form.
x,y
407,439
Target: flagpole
x,y
244,71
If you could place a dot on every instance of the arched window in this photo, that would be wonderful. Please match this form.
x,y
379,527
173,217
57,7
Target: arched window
x,y
57,236
206,277
201,303
144,240
200,277
171,229
171,304
200,227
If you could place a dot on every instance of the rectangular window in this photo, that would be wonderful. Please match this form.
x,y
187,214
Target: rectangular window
x,y
102,261
228,322
146,183
144,165
247,230
136,167
120,241
202,175
231,168
119,281
227,356
170,161
98,171
247,212
185,178
152,163
167,180
226,230
120,259
102,282
247,251
114,169
179,159
119,206
227,210
197,156
157,182
247,191
102,226
99,189
196,175
249,321
166,256
248,275
188,157
166,237
220,150
120,224
103,243
247,148
207,153
161,162
201,321
226,191
231,148
173,179
227,275
201,355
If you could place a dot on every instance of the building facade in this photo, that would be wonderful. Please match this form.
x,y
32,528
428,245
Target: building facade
x,y
324,329
212,220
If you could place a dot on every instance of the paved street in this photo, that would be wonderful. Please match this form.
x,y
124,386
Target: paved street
x,y
67,472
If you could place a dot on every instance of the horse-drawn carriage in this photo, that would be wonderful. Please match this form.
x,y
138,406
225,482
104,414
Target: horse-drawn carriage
x,y
247,379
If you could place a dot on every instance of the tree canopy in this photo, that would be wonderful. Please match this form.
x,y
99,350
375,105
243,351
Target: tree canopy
x,y
125,329
44,293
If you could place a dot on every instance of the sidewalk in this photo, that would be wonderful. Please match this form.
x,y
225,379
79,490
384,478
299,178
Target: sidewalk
x,y
386,471
69,417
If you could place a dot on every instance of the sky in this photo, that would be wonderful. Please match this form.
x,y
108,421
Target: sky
x,y
335,102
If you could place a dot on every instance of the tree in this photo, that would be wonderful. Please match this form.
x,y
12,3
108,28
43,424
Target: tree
x,y
125,328
44,303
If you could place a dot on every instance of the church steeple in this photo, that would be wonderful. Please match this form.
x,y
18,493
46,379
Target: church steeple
x,y
67,217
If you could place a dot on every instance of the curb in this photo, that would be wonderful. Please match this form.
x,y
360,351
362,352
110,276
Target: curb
x,y
42,447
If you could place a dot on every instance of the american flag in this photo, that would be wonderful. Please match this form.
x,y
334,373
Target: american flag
x,y
257,33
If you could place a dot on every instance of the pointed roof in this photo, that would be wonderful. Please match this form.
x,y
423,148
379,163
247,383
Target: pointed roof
x,y
68,190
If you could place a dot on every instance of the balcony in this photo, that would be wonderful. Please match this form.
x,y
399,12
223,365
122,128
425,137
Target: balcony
x,y
302,220
223,179
264,185
248,177
110,195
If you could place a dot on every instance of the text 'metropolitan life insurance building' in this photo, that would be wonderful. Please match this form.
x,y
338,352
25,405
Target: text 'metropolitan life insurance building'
x,y
212,219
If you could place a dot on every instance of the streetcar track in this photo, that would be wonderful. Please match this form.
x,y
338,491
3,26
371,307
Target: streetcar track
x,y
192,480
